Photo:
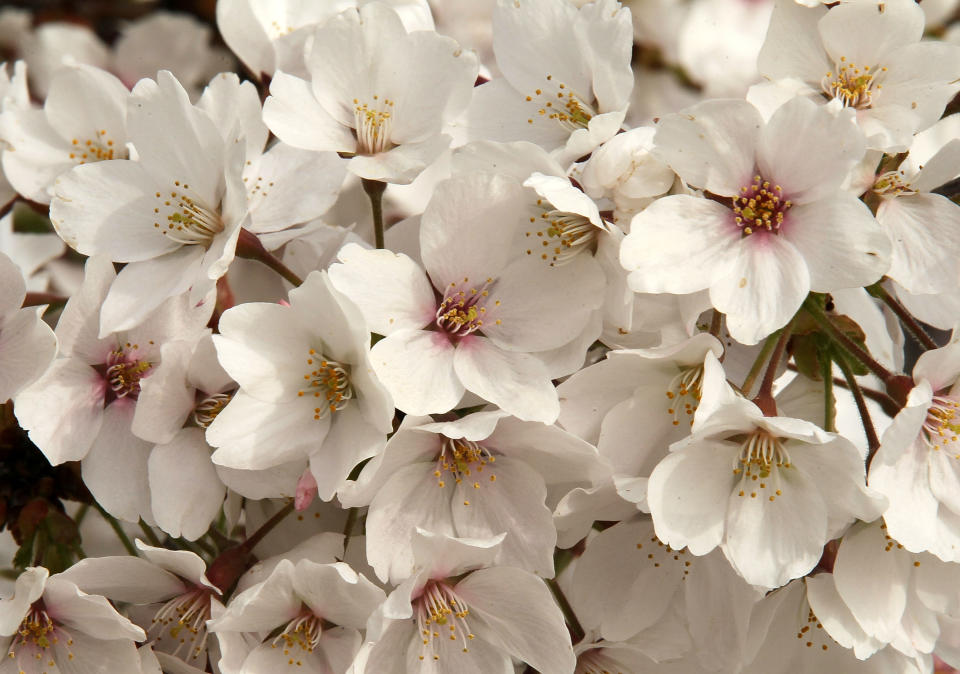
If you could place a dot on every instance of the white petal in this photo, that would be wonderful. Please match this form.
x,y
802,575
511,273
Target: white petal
x,y
186,491
336,592
766,286
517,607
88,614
27,348
352,439
166,399
417,367
127,579
925,232
516,382
294,115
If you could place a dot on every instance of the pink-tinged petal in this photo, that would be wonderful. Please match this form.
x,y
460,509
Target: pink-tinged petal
x,y
764,289
411,498
688,492
27,348
792,47
516,382
517,608
259,345
128,579
627,579
840,242
712,145
251,434
108,208
508,496
352,438
274,482
940,367
772,538
166,399
182,563
63,410
297,118
925,232
534,307
336,592
115,468
141,287
817,167
867,33
186,491
390,289
339,646
679,244
88,614
417,367
871,576
468,226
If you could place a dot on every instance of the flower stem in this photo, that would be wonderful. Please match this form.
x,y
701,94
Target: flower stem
x,y
758,363
576,629
909,322
829,402
249,247
348,528
117,529
764,399
847,344
151,536
374,190
873,442
715,321
267,527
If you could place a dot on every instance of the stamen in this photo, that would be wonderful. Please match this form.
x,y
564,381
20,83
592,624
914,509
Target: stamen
x,y
304,631
892,183
188,221
685,390
465,308
760,206
372,125
941,428
329,381
441,614
464,460
124,372
852,85
561,236
208,408
182,623
758,464
556,101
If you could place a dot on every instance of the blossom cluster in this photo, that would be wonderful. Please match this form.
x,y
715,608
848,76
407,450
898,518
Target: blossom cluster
x,y
556,336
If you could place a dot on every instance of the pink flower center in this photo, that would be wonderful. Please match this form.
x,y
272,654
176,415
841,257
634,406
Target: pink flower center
x,y
441,614
941,428
464,460
465,307
760,206
125,369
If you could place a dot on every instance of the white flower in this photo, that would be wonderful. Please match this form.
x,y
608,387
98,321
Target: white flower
x,y
474,623
375,90
918,464
49,625
83,121
307,390
27,344
867,56
780,225
476,477
173,215
321,609
497,316
771,491
567,76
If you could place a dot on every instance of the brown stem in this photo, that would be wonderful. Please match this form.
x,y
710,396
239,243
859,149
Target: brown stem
x,y
715,320
758,364
909,322
576,629
374,190
764,399
37,299
250,248
848,345
873,442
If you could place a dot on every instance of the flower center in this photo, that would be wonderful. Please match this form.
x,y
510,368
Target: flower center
x,y
208,408
125,370
441,614
182,623
562,235
760,206
37,633
596,661
556,101
463,309
188,220
685,389
941,428
892,183
372,124
95,149
852,85
329,380
461,459
761,456
304,632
